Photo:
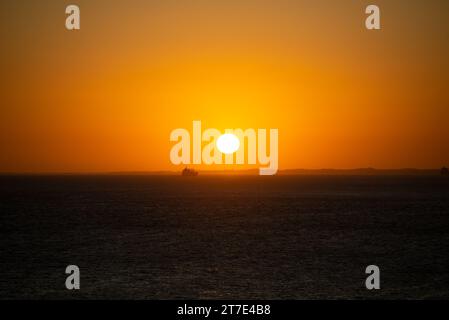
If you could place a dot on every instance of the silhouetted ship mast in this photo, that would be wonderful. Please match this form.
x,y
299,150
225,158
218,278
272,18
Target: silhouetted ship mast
x,y
189,172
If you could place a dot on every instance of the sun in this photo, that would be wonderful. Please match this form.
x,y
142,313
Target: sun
x,y
228,143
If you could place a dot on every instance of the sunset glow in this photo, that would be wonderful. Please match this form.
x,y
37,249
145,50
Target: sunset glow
x,y
105,98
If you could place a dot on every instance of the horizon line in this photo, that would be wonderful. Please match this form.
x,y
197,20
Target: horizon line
x,y
296,171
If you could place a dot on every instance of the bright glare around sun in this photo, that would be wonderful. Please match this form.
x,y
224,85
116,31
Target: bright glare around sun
x,y
228,143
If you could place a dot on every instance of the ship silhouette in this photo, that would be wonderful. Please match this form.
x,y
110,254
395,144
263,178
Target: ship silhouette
x,y
189,172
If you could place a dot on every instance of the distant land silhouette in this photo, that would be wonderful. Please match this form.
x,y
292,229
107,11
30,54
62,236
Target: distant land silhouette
x,y
357,171
349,172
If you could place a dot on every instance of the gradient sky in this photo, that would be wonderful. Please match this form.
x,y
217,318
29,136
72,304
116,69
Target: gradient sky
x,y
106,98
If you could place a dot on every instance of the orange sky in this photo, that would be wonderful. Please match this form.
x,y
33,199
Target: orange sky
x,y
106,98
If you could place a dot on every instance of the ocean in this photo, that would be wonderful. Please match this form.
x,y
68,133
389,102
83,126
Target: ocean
x,y
224,237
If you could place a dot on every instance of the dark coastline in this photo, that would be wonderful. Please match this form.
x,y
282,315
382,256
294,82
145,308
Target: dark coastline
x,y
289,172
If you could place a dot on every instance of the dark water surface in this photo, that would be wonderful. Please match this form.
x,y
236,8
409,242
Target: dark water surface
x,y
285,237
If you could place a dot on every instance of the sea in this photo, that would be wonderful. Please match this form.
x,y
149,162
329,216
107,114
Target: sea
x,y
224,237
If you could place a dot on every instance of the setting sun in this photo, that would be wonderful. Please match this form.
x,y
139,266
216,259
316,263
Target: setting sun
x,y
228,143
